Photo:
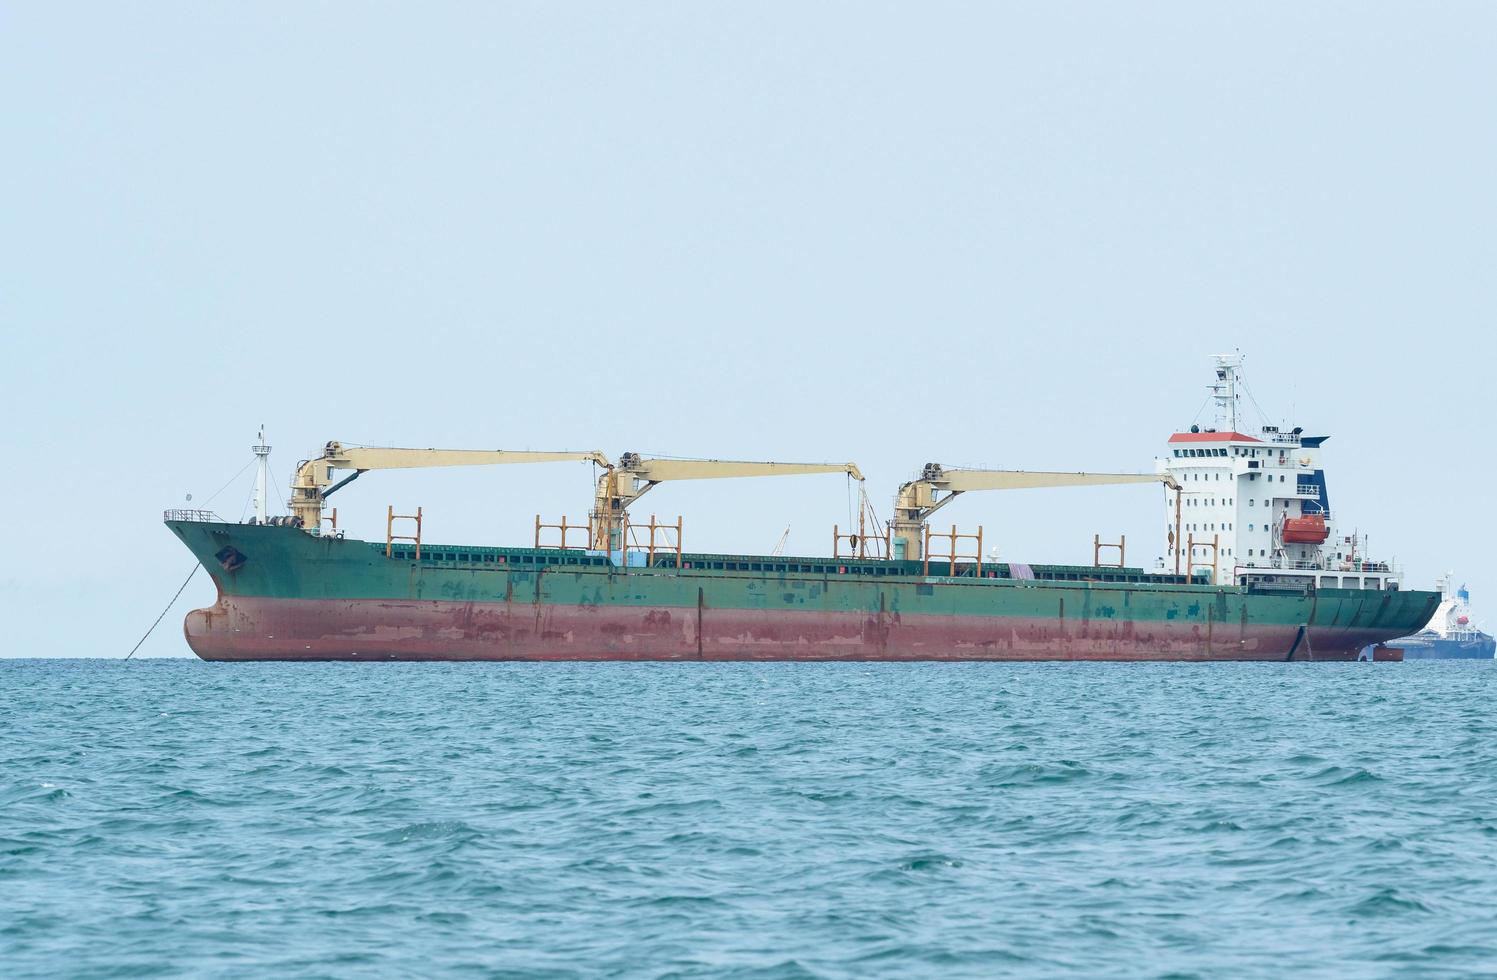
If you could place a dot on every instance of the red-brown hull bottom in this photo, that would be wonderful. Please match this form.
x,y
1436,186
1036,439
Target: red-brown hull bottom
x,y
242,628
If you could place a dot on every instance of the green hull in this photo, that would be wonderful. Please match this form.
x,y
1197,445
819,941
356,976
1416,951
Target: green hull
x,y
284,594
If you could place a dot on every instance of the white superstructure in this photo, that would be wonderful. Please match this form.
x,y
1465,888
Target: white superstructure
x,y
1253,508
1452,621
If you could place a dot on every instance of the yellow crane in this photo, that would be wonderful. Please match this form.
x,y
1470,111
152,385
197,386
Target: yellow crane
x,y
313,483
939,486
635,476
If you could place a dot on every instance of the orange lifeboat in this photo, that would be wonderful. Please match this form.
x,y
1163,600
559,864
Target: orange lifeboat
x,y
1310,529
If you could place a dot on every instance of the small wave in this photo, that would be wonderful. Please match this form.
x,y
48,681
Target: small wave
x,y
49,793
435,830
365,911
665,809
1033,773
1387,901
1339,776
684,901
929,862
1218,825
10,847
828,796
193,798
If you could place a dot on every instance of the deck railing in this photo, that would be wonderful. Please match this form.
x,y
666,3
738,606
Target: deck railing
x,y
1325,565
200,516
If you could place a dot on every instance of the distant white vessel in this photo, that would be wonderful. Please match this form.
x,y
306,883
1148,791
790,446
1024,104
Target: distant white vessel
x,y
1452,633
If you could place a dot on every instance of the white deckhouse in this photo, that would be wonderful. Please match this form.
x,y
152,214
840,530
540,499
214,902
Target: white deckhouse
x,y
1253,509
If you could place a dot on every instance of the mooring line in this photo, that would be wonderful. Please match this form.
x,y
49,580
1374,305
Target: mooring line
x,y
166,610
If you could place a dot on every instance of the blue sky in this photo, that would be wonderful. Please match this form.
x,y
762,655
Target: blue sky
x,y
982,234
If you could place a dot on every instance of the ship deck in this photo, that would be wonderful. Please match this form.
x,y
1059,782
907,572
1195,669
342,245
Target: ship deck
x,y
529,558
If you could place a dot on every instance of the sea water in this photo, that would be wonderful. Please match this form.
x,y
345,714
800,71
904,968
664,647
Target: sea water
x,y
747,820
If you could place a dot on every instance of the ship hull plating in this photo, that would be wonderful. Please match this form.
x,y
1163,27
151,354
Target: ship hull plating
x,y
249,628
285,595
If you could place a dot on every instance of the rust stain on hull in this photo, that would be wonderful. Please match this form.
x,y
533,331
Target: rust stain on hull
x,y
248,628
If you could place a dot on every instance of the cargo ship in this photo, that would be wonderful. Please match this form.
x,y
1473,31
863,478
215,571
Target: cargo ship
x,y
1255,571
1451,634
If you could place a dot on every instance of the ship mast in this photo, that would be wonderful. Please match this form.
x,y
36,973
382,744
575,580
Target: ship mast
x,y
262,475
1228,370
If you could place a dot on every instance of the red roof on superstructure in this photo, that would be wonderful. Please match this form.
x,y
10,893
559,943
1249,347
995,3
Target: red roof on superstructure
x,y
1212,437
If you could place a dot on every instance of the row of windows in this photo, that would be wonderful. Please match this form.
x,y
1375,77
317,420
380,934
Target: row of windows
x,y
1207,502
1236,451
1226,526
1204,551
1199,552
1208,477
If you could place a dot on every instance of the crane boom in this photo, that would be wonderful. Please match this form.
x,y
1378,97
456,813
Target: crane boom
x,y
960,481
635,476
939,486
313,482
660,470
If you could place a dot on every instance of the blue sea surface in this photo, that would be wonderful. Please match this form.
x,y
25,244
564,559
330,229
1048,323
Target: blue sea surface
x,y
777,820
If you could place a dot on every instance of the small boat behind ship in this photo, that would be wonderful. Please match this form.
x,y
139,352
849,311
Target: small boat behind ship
x,y
1451,634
